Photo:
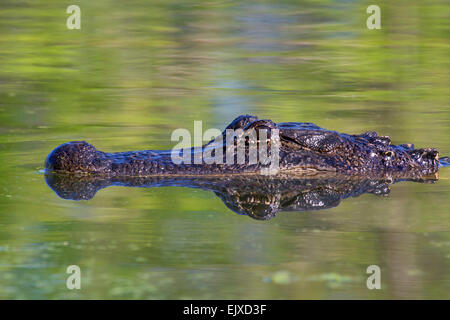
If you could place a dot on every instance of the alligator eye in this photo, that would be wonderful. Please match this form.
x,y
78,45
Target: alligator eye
x,y
384,140
389,154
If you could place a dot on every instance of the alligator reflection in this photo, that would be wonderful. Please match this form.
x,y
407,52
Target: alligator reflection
x,y
259,197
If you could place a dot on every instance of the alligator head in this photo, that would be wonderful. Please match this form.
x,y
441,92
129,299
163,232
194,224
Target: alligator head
x,y
303,148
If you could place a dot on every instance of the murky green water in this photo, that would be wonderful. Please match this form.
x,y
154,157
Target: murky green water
x,y
137,70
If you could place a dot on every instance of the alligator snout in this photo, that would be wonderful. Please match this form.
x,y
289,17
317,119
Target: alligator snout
x,y
75,156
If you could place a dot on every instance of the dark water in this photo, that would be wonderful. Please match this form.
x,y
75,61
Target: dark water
x,y
138,70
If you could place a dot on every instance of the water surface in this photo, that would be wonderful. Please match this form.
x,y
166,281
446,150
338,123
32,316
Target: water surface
x,y
137,71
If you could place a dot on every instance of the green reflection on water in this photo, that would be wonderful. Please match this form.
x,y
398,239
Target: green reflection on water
x,y
138,70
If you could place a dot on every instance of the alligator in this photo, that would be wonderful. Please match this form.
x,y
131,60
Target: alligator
x,y
259,197
303,148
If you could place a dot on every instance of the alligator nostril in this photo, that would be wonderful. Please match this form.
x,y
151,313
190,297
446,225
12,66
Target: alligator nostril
x,y
75,156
